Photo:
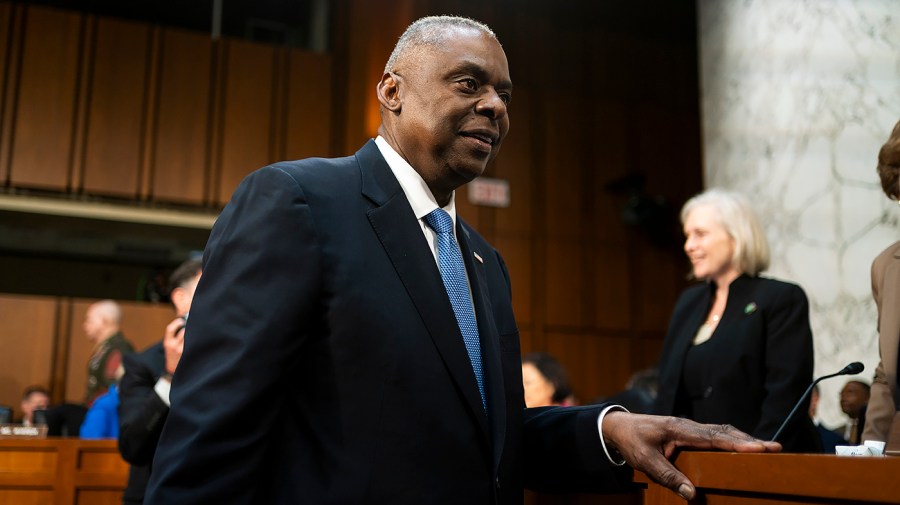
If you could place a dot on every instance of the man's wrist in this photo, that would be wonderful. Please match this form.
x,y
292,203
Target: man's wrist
x,y
611,454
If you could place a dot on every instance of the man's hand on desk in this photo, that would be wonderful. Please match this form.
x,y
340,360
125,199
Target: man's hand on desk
x,y
647,443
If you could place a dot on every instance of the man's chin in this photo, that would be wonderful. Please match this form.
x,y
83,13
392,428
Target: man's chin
x,y
469,173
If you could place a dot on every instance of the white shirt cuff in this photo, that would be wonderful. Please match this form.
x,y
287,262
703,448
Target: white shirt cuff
x,y
600,428
163,387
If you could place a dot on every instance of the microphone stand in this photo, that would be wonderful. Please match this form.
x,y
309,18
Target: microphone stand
x,y
847,369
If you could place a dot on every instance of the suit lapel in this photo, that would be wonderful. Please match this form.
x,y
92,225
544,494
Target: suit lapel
x,y
394,223
490,340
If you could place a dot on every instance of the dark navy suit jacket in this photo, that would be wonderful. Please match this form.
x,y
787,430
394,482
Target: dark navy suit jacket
x,y
323,362
142,414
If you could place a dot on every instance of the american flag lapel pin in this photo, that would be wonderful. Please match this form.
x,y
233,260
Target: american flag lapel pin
x,y
477,257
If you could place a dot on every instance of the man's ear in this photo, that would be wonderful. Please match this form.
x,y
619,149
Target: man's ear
x,y
177,297
388,91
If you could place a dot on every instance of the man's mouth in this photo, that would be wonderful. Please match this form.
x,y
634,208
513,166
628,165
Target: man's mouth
x,y
485,137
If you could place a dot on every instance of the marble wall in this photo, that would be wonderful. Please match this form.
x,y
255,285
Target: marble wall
x,y
797,98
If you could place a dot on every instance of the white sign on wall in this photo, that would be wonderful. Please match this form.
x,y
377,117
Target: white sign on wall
x,y
489,192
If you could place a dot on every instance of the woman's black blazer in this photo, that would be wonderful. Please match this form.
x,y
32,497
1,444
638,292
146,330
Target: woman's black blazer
x,y
763,359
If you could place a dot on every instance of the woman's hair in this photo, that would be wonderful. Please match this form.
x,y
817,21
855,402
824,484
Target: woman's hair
x,y
733,212
889,164
553,371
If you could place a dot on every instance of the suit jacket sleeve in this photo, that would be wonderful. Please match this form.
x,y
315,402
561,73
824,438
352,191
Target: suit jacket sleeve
x,y
141,411
563,453
248,321
789,358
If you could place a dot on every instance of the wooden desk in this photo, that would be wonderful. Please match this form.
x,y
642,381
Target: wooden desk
x,y
744,479
61,471
67,471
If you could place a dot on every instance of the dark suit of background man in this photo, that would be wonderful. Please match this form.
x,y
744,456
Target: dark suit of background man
x,y
144,390
323,361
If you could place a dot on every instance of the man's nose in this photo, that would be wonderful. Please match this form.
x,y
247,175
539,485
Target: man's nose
x,y
491,105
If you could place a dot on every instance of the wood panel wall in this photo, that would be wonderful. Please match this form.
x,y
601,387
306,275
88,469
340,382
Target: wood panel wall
x,y
111,108
28,343
42,78
603,90
180,128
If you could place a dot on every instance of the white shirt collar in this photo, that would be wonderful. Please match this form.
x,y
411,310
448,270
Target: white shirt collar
x,y
414,187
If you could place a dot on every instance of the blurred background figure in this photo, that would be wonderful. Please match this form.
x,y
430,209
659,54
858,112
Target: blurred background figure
x,y
854,398
885,395
739,346
33,398
830,440
101,327
145,387
639,395
102,419
545,380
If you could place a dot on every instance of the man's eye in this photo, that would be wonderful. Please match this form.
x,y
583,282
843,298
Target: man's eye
x,y
506,97
469,83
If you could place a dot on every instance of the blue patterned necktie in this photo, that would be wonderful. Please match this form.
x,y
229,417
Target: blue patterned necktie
x,y
453,273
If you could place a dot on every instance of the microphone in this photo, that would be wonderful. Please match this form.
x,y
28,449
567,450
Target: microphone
x,y
851,369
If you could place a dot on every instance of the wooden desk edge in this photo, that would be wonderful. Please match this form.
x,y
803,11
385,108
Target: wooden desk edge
x,y
873,479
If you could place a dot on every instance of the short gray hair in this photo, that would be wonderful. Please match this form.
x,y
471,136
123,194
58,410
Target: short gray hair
x,y
430,31
733,212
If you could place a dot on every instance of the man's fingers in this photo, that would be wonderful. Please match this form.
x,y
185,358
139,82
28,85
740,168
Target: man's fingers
x,y
754,447
727,437
661,471
175,328
723,437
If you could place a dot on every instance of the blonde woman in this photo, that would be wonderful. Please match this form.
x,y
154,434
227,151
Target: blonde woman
x,y
739,347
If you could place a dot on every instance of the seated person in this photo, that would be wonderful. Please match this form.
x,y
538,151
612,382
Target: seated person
x,y
545,380
854,398
34,398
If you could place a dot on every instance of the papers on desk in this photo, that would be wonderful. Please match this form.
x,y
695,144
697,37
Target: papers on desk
x,y
869,448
